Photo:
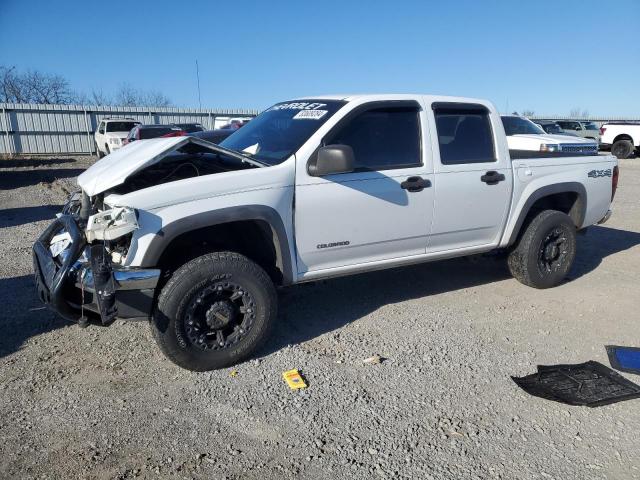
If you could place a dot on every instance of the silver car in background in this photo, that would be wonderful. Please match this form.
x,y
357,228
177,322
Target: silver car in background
x,y
582,128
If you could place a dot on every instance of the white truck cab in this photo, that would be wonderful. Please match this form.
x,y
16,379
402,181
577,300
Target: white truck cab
x,y
196,237
111,133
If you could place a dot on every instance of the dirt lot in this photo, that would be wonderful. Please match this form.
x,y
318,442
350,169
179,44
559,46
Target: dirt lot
x,y
104,403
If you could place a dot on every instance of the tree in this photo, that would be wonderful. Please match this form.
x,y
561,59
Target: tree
x,y
528,113
34,86
577,113
128,96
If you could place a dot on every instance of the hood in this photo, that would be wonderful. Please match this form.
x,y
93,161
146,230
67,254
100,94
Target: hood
x,y
548,138
116,167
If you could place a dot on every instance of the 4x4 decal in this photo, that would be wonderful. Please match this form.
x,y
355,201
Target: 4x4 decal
x,y
599,173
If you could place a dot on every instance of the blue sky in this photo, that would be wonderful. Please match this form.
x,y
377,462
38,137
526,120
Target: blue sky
x,y
542,55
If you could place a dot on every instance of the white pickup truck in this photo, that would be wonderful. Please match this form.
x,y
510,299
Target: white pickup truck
x,y
622,138
196,237
523,134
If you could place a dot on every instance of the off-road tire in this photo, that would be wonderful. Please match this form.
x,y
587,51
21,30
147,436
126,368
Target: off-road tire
x,y
170,319
622,149
527,259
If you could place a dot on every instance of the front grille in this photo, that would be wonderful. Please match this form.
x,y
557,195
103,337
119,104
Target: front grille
x,y
579,148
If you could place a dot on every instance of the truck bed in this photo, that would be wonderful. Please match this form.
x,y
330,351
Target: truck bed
x,y
522,154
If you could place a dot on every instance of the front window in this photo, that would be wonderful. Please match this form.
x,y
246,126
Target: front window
x,y
383,138
520,126
279,131
120,126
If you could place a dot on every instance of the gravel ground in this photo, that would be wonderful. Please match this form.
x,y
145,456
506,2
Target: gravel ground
x,y
104,403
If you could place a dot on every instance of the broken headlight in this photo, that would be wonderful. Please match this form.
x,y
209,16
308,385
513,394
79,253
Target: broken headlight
x,y
111,224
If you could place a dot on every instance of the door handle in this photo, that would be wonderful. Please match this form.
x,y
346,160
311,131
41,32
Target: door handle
x,y
492,177
415,184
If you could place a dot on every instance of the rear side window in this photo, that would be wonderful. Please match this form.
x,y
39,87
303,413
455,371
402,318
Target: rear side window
x,y
383,138
464,136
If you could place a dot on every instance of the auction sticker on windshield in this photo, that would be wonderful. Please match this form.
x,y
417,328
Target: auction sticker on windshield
x,y
310,114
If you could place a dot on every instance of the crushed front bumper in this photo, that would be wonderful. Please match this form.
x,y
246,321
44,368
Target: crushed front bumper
x,y
81,285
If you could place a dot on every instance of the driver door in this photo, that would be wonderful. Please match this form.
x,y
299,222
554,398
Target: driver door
x,y
371,214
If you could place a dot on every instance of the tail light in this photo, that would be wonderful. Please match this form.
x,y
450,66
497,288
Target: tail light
x,y
614,182
602,130
179,133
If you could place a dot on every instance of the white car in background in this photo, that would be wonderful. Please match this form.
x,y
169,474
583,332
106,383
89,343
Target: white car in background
x,y
523,134
111,134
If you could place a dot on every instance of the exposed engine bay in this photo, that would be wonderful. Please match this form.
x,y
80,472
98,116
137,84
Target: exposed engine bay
x,y
190,161
158,162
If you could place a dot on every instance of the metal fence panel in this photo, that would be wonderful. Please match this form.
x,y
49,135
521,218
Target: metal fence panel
x,y
68,129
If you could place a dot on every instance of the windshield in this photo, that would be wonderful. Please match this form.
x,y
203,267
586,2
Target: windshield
x,y
120,126
279,131
520,126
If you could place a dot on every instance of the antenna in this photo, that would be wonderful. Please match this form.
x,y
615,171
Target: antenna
x,y
198,78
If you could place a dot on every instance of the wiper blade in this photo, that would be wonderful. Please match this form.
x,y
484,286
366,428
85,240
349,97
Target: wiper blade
x,y
231,153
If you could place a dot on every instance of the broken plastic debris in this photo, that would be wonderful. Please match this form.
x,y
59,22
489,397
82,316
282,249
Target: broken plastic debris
x,y
294,379
376,359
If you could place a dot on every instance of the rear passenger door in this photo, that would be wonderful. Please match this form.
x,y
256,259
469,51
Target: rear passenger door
x,y
473,180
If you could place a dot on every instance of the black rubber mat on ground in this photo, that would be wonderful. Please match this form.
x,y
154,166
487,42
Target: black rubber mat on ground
x,y
590,384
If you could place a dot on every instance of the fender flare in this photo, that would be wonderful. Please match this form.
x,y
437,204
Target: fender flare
x,y
167,234
565,187
626,136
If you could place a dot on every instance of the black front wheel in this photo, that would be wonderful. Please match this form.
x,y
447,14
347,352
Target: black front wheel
x,y
545,251
214,312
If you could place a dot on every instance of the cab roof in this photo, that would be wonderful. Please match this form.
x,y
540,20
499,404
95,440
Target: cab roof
x,y
393,96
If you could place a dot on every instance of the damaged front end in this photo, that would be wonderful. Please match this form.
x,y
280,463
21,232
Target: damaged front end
x,y
78,264
80,261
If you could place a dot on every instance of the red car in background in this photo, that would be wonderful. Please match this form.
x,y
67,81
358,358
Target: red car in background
x,y
145,132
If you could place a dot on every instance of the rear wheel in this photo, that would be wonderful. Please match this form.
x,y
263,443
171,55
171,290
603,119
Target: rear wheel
x,y
546,250
214,312
622,148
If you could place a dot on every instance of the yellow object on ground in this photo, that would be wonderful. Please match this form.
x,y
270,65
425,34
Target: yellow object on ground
x,y
294,379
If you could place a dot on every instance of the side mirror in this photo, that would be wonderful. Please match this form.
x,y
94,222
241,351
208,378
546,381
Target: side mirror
x,y
332,159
